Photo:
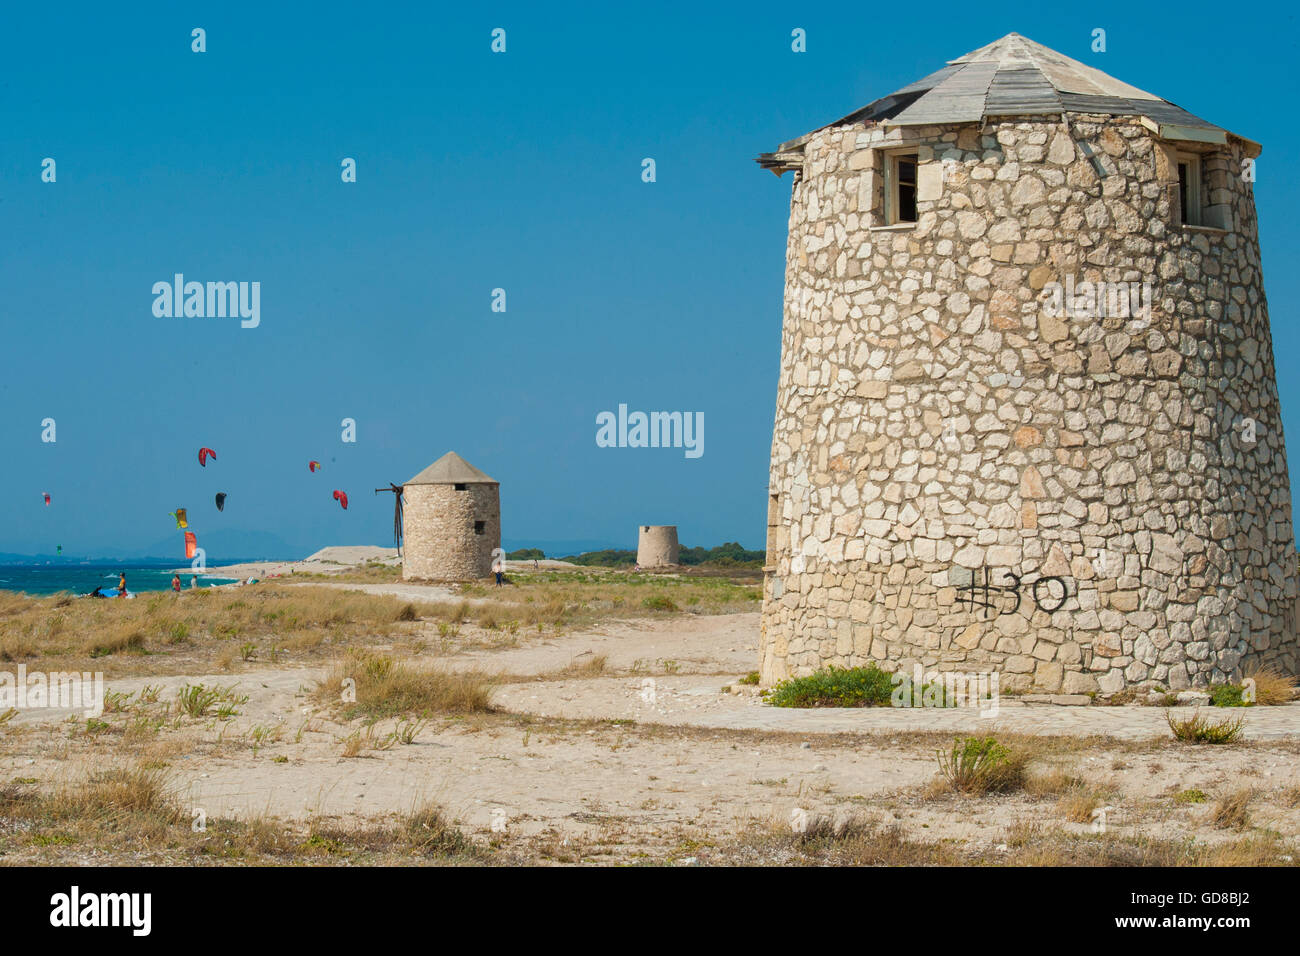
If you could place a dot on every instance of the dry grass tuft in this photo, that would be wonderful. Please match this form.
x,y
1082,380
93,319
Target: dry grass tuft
x,y
1054,783
1272,686
593,666
855,841
134,807
387,688
1232,811
1077,807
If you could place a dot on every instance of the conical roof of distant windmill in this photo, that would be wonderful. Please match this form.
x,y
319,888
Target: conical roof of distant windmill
x,y
1015,76
451,469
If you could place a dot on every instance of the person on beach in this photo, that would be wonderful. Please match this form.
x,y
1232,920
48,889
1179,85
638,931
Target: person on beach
x,y
121,584
194,581
176,583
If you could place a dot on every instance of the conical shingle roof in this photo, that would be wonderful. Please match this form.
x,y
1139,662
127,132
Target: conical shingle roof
x,y
451,469
1015,76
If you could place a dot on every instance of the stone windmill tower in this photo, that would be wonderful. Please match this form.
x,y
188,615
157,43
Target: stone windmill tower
x,y
1027,420
452,522
656,546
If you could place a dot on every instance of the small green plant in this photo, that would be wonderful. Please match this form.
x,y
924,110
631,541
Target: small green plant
x,y
1228,695
1191,796
407,730
96,726
52,839
1201,730
195,699
115,701
751,679
354,742
247,650
981,765
262,735
835,687
142,724
149,693
280,759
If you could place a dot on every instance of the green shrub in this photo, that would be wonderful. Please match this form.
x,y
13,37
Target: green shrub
x,y
1227,695
660,602
835,687
1201,730
981,765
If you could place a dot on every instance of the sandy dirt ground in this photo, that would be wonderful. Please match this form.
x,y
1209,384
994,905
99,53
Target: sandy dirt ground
x,y
655,748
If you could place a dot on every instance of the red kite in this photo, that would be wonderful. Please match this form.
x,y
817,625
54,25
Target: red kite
x,y
205,454
47,499
313,465
191,545
341,498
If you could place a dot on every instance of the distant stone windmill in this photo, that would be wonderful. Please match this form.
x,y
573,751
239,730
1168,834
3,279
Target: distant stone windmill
x,y
452,521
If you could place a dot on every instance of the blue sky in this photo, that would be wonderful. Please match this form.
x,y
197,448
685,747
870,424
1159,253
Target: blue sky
x,y
476,171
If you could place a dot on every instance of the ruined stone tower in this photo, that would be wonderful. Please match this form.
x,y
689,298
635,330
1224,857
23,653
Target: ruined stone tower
x,y
452,522
656,546
1027,420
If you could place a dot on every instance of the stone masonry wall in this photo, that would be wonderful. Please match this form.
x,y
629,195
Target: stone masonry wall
x,y
438,528
950,461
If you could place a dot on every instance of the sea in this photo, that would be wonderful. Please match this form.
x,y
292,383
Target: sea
x,y
82,579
